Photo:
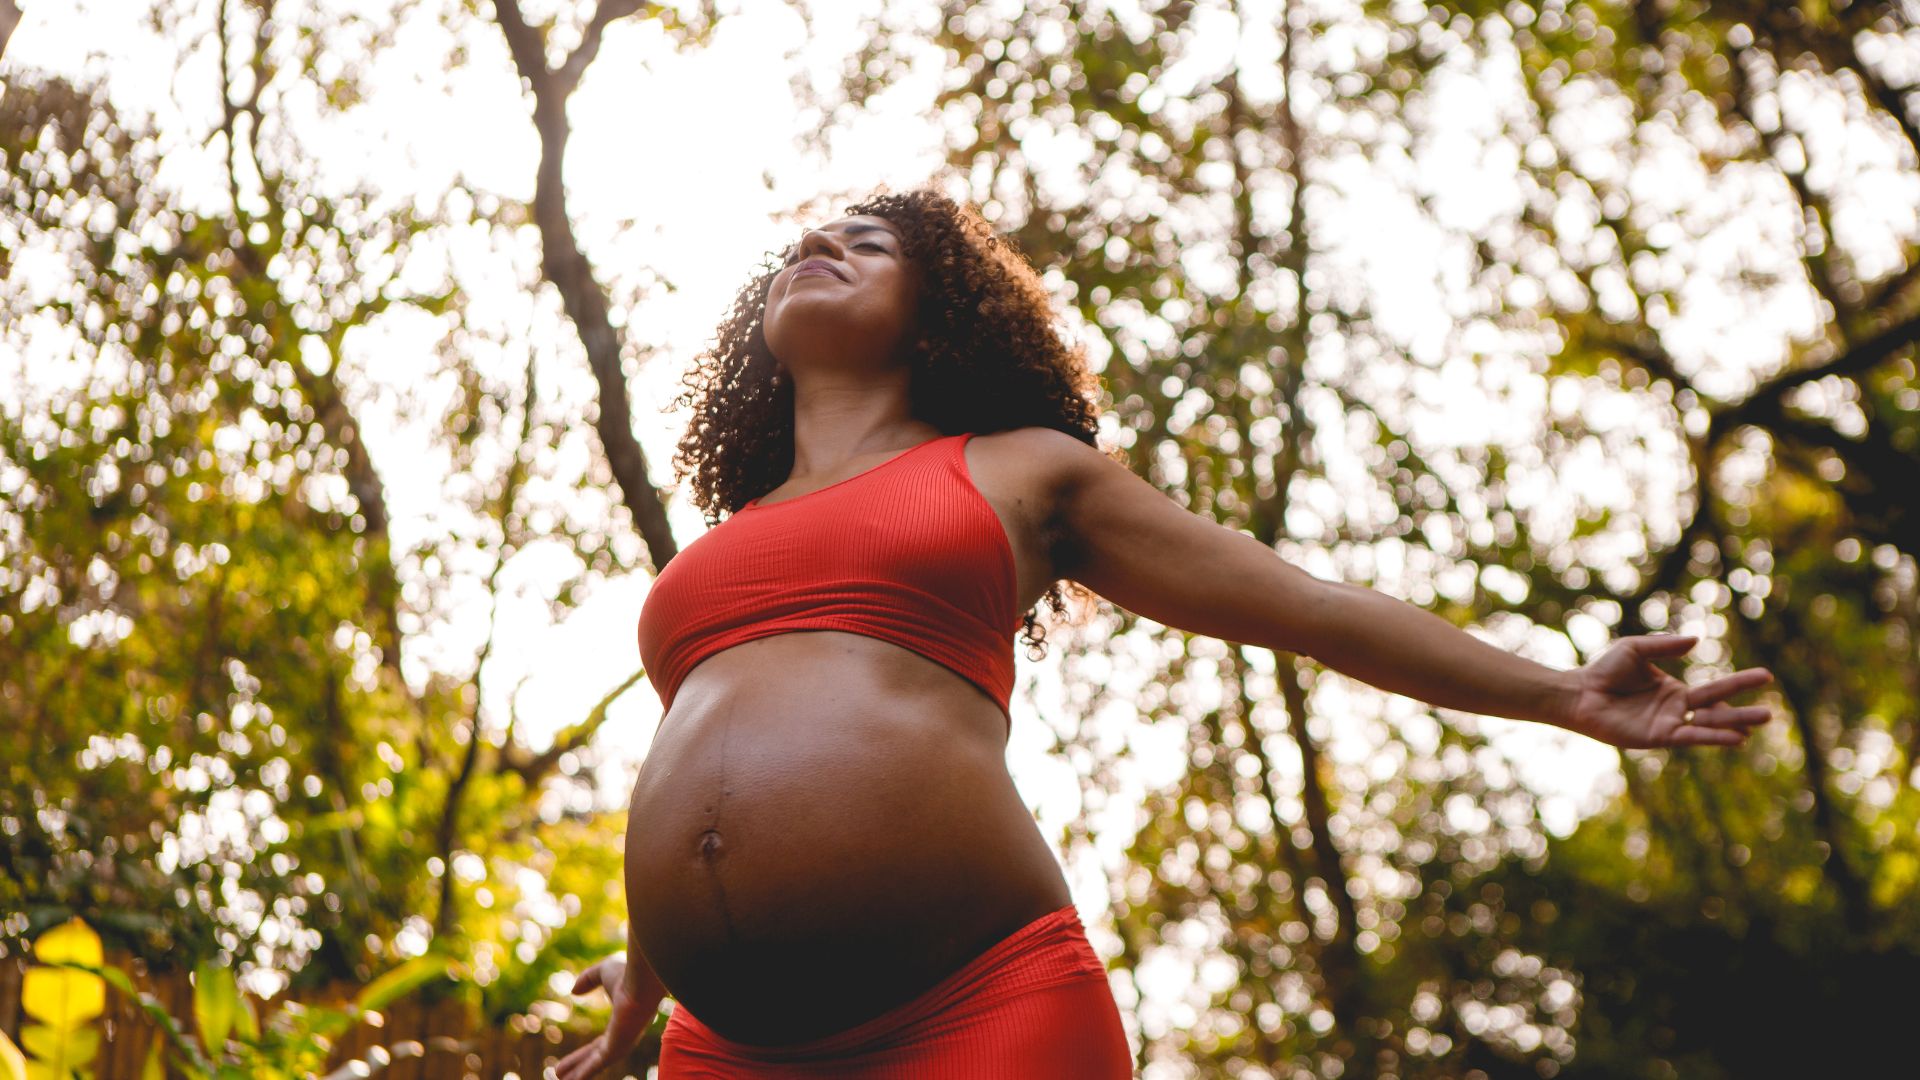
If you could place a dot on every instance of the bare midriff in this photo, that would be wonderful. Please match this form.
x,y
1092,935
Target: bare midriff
x,y
823,828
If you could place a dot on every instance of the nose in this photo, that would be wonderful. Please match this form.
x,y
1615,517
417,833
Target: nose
x,y
818,241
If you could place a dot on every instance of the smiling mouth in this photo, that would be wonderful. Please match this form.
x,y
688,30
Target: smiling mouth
x,y
813,270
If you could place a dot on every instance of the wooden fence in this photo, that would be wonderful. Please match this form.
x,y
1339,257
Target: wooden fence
x,y
420,1040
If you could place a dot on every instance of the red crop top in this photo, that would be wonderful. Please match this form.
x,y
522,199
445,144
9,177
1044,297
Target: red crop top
x,y
908,551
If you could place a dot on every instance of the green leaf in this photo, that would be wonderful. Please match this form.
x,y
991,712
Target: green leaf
x,y
120,980
156,1066
245,1024
216,1003
402,981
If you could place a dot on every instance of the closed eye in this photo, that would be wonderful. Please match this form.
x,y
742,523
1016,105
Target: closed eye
x,y
794,255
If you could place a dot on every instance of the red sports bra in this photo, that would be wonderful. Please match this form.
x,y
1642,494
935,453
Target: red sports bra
x,y
908,551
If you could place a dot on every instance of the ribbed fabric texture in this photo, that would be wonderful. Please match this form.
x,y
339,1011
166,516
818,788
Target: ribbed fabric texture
x,y
908,551
1035,1004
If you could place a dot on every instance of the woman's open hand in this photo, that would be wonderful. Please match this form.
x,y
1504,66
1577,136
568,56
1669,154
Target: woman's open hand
x,y
1623,699
635,1001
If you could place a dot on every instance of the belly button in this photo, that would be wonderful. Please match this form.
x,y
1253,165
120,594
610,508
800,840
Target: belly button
x,y
710,844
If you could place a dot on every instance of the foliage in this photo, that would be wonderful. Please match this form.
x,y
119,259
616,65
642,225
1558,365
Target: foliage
x,y
1321,260
64,1001
1565,319
13,1063
227,1042
240,738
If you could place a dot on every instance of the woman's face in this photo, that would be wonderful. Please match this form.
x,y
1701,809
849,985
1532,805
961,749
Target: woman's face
x,y
847,293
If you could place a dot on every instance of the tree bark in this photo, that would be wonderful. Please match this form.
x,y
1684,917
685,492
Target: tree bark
x,y
1829,822
9,18
568,269
322,391
1341,964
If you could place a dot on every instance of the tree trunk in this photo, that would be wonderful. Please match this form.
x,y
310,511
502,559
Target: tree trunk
x,y
568,269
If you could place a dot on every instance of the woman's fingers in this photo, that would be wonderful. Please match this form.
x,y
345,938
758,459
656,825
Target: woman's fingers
x,y
1697,734
587,981
1654,646
1726,686
584,1062
1732,716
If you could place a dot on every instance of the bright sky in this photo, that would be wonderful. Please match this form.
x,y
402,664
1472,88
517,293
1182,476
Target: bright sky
x,y
655,133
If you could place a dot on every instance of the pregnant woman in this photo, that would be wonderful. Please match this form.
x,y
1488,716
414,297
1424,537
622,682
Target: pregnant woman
x,y
828,866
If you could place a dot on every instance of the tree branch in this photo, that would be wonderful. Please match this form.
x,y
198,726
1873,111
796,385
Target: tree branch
x,y
1878,472
321,391
1640,349
535,768
1859,359
447,834
567,76
526,45
9,18
228,114
567,268
1840,52
1665,575
330,411
1345,987
1855,905
1891,291
1814,210
1762,407
1342,990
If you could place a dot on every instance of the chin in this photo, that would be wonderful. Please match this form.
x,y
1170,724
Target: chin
x,y
823,326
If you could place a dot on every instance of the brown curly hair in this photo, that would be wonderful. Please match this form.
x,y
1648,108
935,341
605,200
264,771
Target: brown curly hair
x,y
988,358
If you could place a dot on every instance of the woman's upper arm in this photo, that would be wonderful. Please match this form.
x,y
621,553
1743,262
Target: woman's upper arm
x,y
1138,548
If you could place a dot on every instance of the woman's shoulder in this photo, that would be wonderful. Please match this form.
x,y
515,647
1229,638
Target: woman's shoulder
x,y
1033,466
1043,441
1041,444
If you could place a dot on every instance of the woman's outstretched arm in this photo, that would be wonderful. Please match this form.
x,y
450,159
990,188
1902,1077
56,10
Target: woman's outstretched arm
x,y
1148,554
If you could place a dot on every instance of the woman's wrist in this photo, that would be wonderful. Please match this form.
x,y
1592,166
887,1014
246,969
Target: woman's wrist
x,y
1559,697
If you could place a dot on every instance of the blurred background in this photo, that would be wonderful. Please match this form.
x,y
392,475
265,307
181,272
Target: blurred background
x,y
339,352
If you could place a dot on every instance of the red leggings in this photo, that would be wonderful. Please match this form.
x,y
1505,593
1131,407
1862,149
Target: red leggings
x,y
1035,1004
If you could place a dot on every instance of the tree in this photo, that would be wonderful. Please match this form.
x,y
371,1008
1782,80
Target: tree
x,y
9,18
1795,539
1194,204
562,262
250,729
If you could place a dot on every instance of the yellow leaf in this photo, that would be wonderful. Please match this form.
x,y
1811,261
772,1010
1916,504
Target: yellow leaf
x,y
156,1066
62,997
72,942
57,1047
64,1000
13,1064
59,1053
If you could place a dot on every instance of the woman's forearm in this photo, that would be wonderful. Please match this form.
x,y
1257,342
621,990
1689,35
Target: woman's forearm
x,y
1396,646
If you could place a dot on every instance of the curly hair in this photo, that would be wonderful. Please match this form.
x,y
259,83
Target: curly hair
x,y
988,358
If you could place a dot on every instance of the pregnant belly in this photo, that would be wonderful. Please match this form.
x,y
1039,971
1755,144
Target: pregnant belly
x,y
802,857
